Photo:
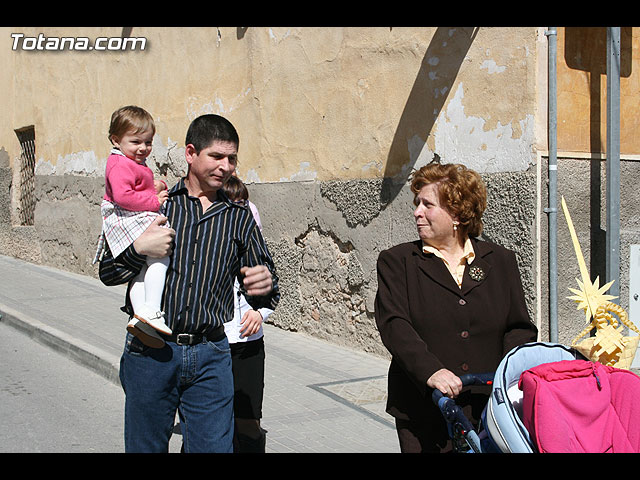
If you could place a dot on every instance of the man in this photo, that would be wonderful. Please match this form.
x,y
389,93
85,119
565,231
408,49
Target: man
x,y
211,242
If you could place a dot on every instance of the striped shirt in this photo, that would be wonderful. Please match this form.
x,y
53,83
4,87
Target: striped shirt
x,y
209,249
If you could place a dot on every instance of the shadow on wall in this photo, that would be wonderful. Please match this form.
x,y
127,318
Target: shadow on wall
x,y
585,49
434,82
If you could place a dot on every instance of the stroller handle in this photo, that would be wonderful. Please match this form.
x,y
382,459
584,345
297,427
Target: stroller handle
x,y
477,379
467,379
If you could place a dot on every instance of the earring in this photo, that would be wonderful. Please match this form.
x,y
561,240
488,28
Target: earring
x,y
455,226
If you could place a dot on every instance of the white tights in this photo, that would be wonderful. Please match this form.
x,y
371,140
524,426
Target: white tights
x,y
146,290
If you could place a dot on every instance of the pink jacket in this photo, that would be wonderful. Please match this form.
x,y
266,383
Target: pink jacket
x,y
577,406
129,184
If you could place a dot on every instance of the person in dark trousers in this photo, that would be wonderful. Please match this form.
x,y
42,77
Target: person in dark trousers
x,y
211,243
246,338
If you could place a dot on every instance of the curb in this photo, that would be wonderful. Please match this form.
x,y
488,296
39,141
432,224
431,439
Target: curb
x,y
89,356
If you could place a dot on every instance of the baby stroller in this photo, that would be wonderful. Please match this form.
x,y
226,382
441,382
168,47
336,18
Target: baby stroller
x,y
502,428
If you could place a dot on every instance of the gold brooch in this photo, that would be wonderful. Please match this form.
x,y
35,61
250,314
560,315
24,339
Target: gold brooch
x,y
476,273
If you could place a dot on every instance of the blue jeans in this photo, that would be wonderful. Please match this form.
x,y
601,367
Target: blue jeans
x,y
195,380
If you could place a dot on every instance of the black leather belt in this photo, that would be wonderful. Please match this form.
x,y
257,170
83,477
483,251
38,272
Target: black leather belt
x,y
195,338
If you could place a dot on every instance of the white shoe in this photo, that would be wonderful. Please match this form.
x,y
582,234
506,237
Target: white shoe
x,y
145,333
154,319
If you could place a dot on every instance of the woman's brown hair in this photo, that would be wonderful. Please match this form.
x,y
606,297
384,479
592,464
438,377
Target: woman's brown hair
x,y
462,193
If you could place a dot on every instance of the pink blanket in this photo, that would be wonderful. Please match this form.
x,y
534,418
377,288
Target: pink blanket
x,y
577,406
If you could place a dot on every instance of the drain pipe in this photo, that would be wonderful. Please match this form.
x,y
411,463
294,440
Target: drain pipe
x,y
613,159
552,210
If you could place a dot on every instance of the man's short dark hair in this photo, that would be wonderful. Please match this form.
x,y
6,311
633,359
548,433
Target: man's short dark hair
x,y
210,128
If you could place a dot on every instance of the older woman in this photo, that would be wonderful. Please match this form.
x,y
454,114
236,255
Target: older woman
x,y
447,304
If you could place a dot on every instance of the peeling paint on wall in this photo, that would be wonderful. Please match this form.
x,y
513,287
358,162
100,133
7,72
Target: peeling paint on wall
x,y
220,104
78,163
302,175
492,67
460,138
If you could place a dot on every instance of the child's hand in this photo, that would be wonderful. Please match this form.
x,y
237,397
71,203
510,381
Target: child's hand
x,y
162,196
250,323
160,185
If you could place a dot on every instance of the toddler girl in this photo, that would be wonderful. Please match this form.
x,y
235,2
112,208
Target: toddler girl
x,y
131,202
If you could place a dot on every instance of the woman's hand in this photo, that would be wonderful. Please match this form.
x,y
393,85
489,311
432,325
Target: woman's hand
x,y
446,381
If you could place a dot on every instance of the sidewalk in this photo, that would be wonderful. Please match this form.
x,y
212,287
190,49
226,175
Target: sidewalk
x,y
319,397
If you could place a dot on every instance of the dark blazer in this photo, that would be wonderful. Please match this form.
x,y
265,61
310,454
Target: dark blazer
x,y
428,323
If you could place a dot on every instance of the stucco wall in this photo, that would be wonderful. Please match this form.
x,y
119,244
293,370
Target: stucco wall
x,y
332,121
310,103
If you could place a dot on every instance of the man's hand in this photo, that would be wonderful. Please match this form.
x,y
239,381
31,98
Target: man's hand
x,y
156,241
257,280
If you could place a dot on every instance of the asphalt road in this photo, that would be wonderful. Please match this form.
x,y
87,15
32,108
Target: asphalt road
x,y
49,404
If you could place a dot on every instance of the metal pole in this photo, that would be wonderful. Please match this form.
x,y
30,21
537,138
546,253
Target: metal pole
x,y
552,209
613,159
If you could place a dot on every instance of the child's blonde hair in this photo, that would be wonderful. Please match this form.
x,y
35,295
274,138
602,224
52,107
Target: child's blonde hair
x,y
130,119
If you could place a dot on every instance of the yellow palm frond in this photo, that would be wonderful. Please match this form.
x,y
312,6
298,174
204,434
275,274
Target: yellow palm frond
x,y
590,295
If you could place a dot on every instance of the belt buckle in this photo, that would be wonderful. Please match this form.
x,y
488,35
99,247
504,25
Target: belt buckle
x,y
184,339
